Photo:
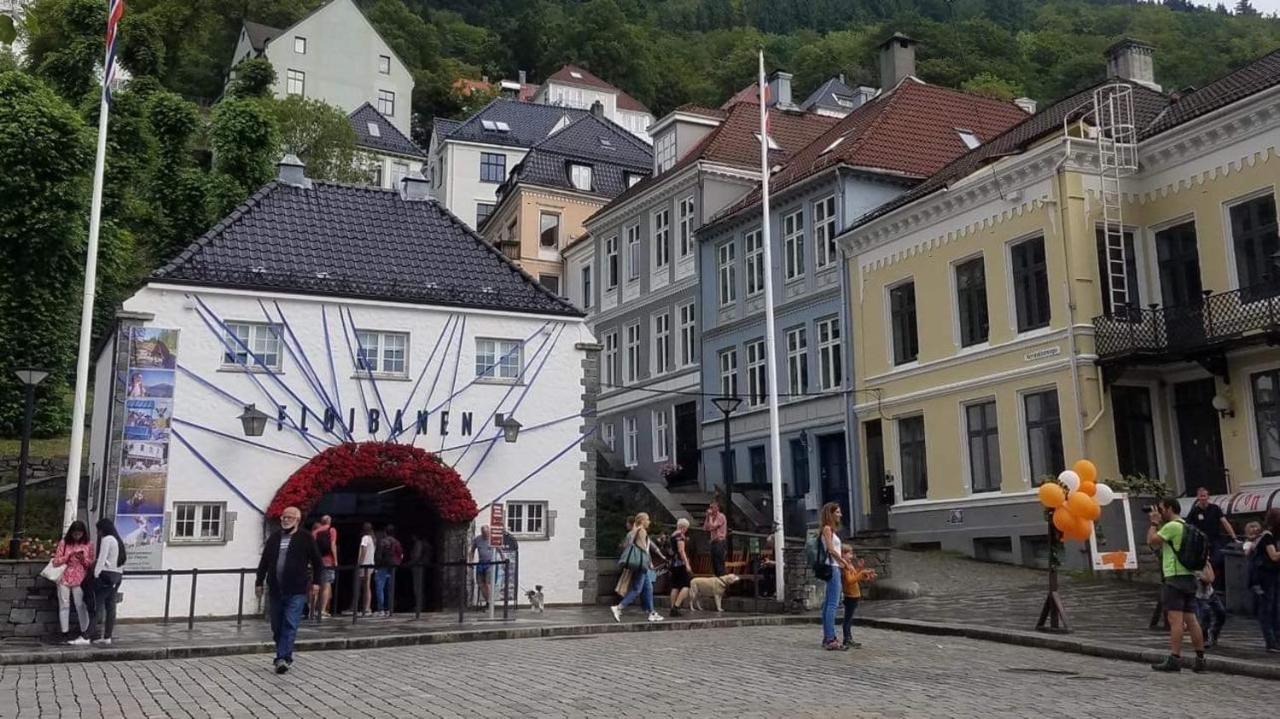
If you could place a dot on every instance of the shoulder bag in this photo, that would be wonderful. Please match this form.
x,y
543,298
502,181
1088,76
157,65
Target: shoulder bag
x,y
821,569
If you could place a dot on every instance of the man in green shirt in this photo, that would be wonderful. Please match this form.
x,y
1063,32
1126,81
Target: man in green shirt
x,y
1178,590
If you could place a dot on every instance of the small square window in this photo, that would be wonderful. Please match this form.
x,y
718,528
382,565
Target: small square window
x,y
527,520
387,103
300,45
384,64
580,176
385,353
498,360
251,345
199,522
295,83
374,130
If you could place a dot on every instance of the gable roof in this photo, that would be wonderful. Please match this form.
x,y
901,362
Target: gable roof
x,y
910,132
260,35
1147,106
735,142
826,95
530,123
389,138
547,163
274,33
357,242
574,75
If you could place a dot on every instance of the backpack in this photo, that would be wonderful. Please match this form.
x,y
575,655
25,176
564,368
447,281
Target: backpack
x,y
396,552
382,551
1193,553
324,543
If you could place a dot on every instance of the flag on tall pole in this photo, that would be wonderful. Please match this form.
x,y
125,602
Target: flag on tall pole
x,y
115,11
771,349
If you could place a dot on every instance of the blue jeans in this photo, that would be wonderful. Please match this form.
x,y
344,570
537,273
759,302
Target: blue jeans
x,y
1269,611
829,606
286,613
641,586
380,579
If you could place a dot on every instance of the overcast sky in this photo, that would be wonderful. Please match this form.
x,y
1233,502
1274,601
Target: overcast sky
x,y
1265,7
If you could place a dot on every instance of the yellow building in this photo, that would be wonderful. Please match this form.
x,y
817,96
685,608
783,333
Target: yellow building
x,y
561,182
993,345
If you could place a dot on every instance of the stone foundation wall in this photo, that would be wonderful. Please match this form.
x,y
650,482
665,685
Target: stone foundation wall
x,y
28,602
37,468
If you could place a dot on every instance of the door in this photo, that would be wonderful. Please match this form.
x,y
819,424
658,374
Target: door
x,y
835,473
1199,440
687,454
1180,287
878,517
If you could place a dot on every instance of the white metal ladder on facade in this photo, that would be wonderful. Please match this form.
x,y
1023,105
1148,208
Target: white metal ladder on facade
x,y
1117,158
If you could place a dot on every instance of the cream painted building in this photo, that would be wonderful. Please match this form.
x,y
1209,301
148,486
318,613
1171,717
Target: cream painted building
x,y
992,351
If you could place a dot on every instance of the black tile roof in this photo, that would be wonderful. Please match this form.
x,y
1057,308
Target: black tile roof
x,y
442,126
825,96
1255,77
389,139
358,242
612,152
529,123
260,35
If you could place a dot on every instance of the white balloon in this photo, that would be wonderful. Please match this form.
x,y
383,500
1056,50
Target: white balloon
x,y
1071,479
1104,495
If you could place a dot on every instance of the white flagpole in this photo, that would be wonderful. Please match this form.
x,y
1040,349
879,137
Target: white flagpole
x,y
86,318
770,344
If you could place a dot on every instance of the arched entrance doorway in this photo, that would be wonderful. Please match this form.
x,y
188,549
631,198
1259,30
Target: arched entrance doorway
x,y
381,483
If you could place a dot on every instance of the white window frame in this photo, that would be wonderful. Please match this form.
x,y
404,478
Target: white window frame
x,y
384,64
580,176
399,171
753,255
727,361
611,367
687,314
633,252
965,441
664,152
798,361
295,82
824,232
612,270
555,242
505,363
726,285
299,42
388,97
1228,233
757,373
631,353
686,227
192,519
1024,439
373,354
527,520
609,435
793,245
661,222
630,441
262,341
661,436
584,277
661,343
830,354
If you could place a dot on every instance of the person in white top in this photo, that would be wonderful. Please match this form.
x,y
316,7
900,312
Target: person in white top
x,y
830,545
107,577
367,548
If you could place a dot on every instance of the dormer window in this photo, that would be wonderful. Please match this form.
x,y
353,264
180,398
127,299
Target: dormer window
x,y
374,130
843,100
969,139
773,146
580,176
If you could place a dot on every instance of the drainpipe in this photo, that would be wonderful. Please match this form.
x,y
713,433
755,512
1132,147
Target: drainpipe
x,y
1060,185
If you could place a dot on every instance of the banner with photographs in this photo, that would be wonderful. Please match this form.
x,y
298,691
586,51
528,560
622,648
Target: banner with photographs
x,y
144,465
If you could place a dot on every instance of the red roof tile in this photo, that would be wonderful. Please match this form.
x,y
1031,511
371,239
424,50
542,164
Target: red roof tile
x,y
574,75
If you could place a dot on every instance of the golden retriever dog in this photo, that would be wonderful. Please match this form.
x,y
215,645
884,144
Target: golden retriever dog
x,y
712,587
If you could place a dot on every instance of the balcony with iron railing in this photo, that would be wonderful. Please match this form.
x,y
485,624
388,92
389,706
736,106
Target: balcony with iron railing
x,y
1166,334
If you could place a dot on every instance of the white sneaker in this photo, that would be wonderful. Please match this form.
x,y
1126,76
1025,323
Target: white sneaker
x,y
79,641
102,642
617,613
655,617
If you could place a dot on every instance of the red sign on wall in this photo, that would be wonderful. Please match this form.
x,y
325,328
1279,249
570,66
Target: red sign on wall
x,y
496,525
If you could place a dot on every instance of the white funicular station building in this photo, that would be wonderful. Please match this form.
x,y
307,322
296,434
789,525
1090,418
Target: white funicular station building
x,y
393,352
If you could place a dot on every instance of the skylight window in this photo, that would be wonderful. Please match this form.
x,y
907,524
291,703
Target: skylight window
x,y
488,125
969,139
834,144
502,126
374,131
495,125
772,145
575,74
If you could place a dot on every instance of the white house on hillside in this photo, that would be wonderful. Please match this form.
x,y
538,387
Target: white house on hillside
x,y
572,86
333,54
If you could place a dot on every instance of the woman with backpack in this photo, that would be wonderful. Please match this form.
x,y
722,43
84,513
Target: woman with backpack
x,y
75,555
827,567
389,556
107,577
636,558
1266,554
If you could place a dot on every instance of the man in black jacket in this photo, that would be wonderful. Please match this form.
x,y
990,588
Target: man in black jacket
x,y
284,564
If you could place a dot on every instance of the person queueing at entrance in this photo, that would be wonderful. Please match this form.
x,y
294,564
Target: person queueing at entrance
x,y
1178,591
107,577
419,557
286,558
75,555
482,552
364,582
389,556
327,542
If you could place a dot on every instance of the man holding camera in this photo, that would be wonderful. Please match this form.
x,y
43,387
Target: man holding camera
x,y
1178,590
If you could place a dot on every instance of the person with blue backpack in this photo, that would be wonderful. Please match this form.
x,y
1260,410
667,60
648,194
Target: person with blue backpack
x,y
828,563
1181,548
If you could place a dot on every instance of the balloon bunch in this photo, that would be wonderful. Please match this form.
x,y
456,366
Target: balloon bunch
x,y
1077,499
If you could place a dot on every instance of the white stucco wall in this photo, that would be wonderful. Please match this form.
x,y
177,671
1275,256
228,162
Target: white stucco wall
x,y
462,187
258,473
387,162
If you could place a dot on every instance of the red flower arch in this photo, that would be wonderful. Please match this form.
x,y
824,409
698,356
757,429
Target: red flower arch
x,y
384,463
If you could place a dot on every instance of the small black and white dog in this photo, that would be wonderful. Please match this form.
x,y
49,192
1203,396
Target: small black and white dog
x,y
536,598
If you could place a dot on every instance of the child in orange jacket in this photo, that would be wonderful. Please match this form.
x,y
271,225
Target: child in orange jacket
x,y
852,580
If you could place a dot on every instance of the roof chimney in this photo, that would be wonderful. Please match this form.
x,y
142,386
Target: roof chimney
x,y
1027,104
1131,60
780,90
415,188
863,94
291,171
897,60
524,77
597,109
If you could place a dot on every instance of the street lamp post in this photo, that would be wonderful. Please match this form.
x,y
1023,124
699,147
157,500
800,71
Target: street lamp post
x,y
29,378
727,405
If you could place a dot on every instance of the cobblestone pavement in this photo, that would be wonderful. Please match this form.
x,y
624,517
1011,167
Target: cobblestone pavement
x,y
750,672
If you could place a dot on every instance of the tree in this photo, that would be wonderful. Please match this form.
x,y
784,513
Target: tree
x,y
65,44
252,78
179,185
321,136
246,146
47,153
988,85
1244,8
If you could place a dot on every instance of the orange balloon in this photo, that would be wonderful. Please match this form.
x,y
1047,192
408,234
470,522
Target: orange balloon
x,y
1052,495
1087,471
1081,532
1063,519
1083,506
1088,488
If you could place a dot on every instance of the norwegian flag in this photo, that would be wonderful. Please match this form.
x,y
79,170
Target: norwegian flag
x,y
115,11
